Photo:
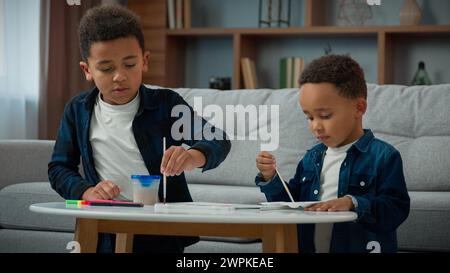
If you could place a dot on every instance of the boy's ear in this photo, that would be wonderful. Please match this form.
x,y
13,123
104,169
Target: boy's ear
x,y
145,62
87,72
361,106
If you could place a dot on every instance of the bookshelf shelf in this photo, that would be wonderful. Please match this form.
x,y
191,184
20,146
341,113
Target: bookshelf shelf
x,y
169,45
319,30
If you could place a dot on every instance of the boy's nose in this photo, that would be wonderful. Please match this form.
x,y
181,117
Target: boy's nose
x,y
119,76
316,126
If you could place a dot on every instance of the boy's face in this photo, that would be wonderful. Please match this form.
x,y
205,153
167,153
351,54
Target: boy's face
x,y
333,119
116,68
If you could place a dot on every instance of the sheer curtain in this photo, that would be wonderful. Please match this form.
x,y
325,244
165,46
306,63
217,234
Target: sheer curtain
x,y
19,68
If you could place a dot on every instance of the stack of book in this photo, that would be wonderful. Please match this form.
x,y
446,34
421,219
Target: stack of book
x,y
290,70
179,13
249,73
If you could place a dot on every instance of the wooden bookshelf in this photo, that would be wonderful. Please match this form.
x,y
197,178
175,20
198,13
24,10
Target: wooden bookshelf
x,y
167,46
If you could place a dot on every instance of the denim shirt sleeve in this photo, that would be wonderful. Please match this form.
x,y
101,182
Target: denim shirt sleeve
x,y
215,148
390,206
274,190
63,172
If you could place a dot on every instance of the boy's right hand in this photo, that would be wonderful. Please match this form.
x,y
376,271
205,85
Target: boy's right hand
x,y
104,190
266,164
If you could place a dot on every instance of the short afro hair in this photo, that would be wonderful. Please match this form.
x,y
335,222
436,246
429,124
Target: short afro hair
x,y
108,22
340,70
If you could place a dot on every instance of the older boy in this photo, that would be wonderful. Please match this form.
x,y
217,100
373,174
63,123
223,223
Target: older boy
x,y
349,170
117,128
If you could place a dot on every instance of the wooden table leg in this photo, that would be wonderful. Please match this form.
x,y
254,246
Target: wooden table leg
x,y
124,242
86,234
279,238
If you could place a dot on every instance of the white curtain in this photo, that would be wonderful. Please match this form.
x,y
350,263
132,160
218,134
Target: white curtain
x,y
19,68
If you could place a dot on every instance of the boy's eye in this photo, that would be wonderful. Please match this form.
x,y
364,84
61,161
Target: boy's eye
x,y
130,65
109,69
325,116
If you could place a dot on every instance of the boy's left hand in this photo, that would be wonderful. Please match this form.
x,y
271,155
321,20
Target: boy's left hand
x,y
340,204
177,159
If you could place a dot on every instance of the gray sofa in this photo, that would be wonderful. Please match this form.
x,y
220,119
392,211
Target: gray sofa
x,y
416,120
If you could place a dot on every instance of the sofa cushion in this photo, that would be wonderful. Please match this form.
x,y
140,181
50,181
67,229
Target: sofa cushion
x,y
24,161
33,241
15,201
416,121
427,226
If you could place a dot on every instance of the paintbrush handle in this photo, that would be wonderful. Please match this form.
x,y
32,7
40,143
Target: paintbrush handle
x,y
164,174
284,185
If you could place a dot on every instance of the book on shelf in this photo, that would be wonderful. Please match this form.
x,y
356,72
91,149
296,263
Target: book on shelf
x,y
299,65
187,13
179,14
171,13
249,73
290,71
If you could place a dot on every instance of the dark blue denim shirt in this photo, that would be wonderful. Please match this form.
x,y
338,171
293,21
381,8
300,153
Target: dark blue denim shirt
x,y
372,172
152,122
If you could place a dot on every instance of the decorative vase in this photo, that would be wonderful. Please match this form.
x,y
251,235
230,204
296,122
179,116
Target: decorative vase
x,y
410,14
421,76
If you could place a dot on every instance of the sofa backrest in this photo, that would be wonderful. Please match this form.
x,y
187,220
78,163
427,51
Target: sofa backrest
x,y
416,120
239,168
24,161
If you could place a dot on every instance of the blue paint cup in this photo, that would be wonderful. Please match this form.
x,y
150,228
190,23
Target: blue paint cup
x,y
145,188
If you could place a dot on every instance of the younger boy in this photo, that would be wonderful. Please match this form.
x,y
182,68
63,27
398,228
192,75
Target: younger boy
x,y
349,170
117,128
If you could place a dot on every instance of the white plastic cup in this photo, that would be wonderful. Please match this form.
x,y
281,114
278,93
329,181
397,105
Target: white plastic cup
x,y
145,188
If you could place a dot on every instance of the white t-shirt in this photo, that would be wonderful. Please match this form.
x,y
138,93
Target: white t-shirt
x,y
115,152
329,180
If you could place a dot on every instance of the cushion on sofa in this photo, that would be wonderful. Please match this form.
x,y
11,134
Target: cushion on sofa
x,y
416,121
15,201
427,226
24,161
33,241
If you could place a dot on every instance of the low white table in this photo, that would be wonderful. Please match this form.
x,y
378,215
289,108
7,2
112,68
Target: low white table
x,y
276,228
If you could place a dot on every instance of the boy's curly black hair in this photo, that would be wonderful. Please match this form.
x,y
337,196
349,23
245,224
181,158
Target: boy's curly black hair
x,y
340,70
108,22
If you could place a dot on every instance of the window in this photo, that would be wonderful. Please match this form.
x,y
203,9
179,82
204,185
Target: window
x,y
2,38
19,68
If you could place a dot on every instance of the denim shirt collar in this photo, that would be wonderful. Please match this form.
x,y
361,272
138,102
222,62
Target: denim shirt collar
x,y
147,101
363,143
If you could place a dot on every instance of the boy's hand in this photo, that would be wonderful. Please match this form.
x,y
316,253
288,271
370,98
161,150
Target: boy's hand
x,y
340,204
177,159
104,190
266,164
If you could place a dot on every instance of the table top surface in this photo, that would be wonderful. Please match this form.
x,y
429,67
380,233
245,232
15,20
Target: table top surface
x,y
236,216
